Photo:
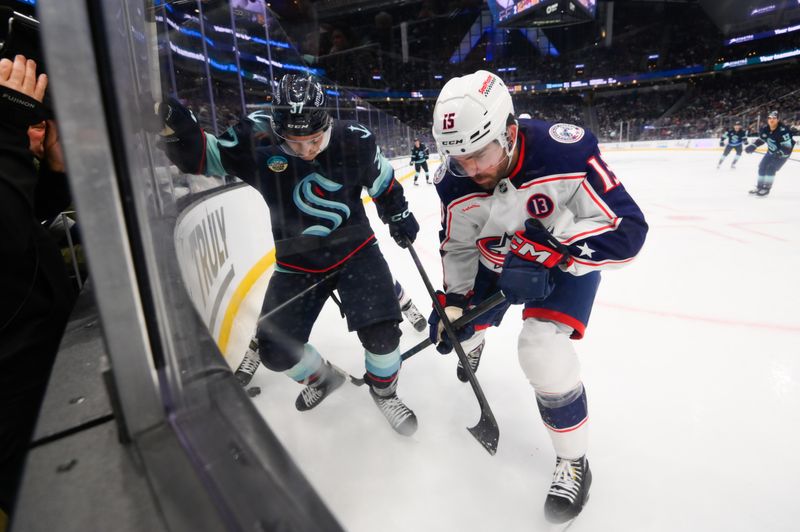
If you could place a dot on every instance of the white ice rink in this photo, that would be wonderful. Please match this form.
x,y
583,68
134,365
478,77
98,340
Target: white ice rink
x,y
691,363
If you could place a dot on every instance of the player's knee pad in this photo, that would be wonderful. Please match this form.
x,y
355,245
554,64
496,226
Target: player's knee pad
x,y
277,351
547,357
380,338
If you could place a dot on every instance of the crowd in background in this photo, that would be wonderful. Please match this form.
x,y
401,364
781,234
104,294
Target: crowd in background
x,y
366,53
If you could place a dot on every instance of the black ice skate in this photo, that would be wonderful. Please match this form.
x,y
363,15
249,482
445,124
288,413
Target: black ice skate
x,y
414,316
759,192
313,394
569,490
400,417
249,364
474,358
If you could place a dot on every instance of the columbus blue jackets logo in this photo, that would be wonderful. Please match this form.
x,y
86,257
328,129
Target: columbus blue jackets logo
x,y
540,206
494,249
566,133
276,163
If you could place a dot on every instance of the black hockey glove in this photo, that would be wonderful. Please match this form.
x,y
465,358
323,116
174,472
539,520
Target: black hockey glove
x,y
722,143
454,306
523,280
176,119
181,137
750,149
536,244
403,226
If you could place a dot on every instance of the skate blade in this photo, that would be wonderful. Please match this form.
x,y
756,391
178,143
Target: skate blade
x,y
562,527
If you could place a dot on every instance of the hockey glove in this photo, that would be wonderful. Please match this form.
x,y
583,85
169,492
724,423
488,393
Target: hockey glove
x,y
453,305
523,280
536,244
403,226
750,149
181,137
722,143
176,119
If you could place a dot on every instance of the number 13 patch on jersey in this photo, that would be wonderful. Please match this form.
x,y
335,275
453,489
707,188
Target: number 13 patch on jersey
x,y
540,206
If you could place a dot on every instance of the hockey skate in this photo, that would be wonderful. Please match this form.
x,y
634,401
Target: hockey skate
x,y
569,490
474,358
249,364
314,393
400,417
759,192
414,316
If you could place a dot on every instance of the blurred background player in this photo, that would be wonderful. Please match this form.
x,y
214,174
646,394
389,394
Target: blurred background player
x,y
312,176
419,158
780,144
531,208
250,362
736,137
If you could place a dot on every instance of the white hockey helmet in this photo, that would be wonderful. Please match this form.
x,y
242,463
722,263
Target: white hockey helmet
x,y
471,112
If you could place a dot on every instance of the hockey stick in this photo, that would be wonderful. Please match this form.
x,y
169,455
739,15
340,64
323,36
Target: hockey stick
x,y
295,297
482,308
486,431
479,310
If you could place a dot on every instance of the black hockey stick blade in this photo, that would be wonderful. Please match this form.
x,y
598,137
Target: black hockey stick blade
x,y
479,310
487,426
487,433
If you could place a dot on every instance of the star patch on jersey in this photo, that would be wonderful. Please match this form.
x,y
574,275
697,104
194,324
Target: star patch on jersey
x,y
276,163
567,133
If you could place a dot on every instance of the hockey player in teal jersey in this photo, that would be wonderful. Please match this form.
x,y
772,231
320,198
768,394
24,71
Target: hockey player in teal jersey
x,y
780,144
736,137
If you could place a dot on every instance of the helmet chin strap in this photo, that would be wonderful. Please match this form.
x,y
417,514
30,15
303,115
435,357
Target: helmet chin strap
x,y
510,152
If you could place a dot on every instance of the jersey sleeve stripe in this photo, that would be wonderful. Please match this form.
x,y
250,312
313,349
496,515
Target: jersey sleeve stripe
x,y
551,178
597,201
595,232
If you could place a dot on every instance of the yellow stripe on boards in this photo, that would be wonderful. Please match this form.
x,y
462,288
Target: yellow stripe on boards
x,y
240,294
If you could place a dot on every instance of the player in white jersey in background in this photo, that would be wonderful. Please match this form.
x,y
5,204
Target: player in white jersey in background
x,y
531,208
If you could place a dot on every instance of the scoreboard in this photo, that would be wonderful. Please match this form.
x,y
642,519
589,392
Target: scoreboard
x,y
543,13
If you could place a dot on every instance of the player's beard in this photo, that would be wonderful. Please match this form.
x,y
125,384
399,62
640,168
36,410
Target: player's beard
x,y
489,180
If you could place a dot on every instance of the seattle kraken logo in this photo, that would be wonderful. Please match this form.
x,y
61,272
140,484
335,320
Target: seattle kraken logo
x,y
360,128
309,202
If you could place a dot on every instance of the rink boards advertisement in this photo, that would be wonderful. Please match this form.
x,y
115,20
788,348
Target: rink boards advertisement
x,y
679,144
218,240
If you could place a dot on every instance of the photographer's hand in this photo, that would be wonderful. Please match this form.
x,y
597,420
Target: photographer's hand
x,y
20,75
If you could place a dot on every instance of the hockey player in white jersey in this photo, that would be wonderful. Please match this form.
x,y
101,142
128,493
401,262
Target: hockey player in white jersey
x,y
531,208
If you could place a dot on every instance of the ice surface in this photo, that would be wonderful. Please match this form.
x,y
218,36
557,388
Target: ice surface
x,y
691,363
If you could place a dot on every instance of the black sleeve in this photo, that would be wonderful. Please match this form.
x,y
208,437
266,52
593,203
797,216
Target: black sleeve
x,y
378,178
196,151
17,184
